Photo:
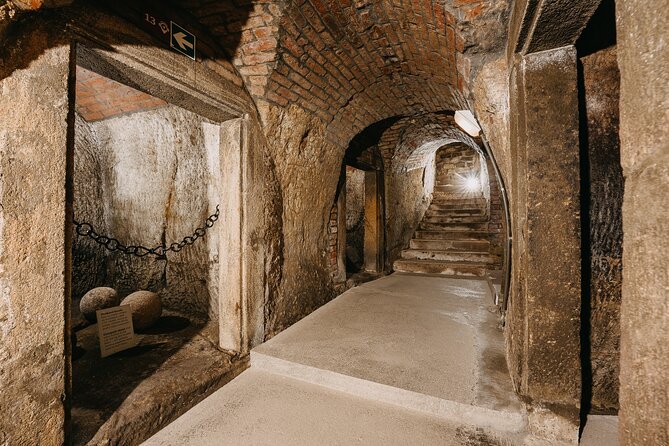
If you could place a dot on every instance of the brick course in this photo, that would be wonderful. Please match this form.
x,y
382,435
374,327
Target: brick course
x,y
98,97
351,63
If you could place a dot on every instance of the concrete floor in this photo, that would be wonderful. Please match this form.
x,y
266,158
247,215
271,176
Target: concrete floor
x,y
600,430
402,360
260,408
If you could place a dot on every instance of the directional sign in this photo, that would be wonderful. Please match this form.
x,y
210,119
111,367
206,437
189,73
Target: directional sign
x,y
181,40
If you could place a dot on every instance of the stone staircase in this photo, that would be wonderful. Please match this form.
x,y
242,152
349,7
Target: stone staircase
x,y
452,238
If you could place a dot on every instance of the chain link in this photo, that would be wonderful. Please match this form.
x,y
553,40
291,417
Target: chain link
x,y
84,229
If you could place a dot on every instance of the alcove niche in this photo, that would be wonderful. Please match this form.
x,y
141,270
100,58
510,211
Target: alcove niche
x,y
149,173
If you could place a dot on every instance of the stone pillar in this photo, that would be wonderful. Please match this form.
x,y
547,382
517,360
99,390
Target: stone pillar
x,y
341,235
373,222
543,322
34,223
644,132
231,308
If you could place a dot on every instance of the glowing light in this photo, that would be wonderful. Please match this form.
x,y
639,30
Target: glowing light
x,y
469,184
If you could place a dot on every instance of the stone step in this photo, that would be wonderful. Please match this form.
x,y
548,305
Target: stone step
x,y
432,212
455,219
382,322
454,245
441,179
440,267
457,206
479,227
448,188
441,197
449,255
451,235
477,200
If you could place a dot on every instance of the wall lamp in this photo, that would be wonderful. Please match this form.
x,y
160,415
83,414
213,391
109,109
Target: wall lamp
x,y
467,122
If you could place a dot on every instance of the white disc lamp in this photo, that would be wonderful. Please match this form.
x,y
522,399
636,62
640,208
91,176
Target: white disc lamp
x,y
467,122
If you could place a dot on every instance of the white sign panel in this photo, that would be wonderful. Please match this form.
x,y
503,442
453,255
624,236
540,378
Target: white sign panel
x,y
115,330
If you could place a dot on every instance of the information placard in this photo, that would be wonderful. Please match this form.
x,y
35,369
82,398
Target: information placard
x,y
115,330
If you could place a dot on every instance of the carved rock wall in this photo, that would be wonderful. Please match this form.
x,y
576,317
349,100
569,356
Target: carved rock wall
x,y
602,91
154,171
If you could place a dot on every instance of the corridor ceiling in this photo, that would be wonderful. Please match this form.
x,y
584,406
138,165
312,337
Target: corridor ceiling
x,y
356,62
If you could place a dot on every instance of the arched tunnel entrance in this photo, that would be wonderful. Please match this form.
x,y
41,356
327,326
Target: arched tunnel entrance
x,y
419,195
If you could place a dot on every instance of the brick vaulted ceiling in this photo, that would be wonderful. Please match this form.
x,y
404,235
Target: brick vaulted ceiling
x,y
355,62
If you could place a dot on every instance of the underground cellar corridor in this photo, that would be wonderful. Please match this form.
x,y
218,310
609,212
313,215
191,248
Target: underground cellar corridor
x,y
333,222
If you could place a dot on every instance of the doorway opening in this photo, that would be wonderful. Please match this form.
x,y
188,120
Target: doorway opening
x,y
150,180
362,193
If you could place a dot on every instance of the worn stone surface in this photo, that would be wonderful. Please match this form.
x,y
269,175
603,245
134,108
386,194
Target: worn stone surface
x,y
296,138
355,218
538,25
265,408
124,398
602,85
490,97
543,319
33,275
644,132
98,299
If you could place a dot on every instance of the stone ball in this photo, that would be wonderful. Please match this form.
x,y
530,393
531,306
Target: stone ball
x,y
146,308
98,299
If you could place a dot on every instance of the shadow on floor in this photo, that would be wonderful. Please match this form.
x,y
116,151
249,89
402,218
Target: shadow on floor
x,y
127,396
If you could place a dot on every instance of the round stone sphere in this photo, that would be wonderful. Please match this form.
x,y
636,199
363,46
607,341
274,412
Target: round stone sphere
x,y
146,308
98,299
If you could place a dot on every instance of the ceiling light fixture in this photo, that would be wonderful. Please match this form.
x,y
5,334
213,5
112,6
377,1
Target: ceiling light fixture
x,y
467,122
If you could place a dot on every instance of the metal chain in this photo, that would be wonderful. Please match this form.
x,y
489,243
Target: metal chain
x,y
86,230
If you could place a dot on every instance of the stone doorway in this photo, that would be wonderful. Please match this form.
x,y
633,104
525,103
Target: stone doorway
x,y
363,199
149,171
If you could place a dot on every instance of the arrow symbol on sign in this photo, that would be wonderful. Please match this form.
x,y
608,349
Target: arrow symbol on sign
x,y
181,41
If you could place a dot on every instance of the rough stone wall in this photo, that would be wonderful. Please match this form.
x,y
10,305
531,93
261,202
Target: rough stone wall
x,y
497,222
355,218
296,140
34,278
602,85
644,133
408,195
490,99
154,177
89,258
543,317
